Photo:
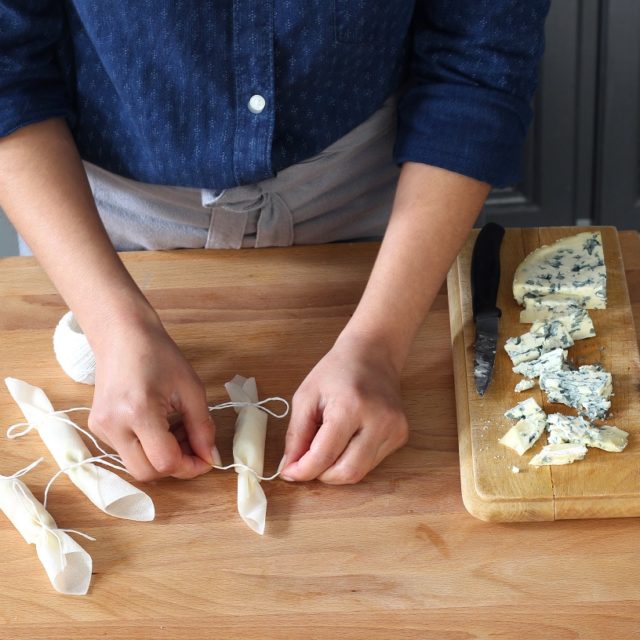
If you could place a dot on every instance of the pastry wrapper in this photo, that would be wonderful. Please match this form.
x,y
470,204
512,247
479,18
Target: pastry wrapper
x,y
108,491
67,564
248,449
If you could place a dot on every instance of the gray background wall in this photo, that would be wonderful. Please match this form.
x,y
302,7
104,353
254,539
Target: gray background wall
x,y
8,240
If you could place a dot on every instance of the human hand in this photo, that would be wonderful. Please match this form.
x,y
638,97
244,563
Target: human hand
x,y
141,379
347,415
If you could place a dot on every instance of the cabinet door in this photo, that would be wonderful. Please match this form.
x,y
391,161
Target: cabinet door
x,y
558,167
618,145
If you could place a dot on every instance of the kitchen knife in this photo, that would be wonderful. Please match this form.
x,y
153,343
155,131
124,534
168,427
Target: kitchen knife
x,y
485,278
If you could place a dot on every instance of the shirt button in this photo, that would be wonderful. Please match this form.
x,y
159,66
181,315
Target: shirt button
x,y
257,104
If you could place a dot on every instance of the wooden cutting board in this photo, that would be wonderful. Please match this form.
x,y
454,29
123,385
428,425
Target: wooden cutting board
x,y
602,485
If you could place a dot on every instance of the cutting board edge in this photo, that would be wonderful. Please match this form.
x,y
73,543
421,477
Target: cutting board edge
x,y
507,511
596,507
631,320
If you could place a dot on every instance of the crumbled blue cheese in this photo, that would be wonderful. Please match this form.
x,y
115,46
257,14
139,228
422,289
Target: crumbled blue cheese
x,y
573,266
523,435
559,454
530,426
577,430
586,389
543,337
548,362
526,347
526,410
556,284
577,324
524,385
610,438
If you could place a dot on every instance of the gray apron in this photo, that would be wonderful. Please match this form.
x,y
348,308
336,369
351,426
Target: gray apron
x,y
343,193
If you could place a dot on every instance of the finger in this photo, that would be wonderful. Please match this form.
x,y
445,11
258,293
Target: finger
x,y
101,435
303,426
361,455
125,443
366,450
197,420
330,441
180,434
133,456
164,452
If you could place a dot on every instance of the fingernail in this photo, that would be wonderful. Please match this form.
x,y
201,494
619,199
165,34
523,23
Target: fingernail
x,y
281,466
215,456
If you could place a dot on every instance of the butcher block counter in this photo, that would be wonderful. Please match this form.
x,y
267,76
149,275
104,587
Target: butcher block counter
x,y
395,556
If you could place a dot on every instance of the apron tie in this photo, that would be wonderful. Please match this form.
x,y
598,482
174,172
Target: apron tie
x,y
233,209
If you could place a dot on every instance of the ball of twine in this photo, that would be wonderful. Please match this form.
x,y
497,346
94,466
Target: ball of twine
x,y
73,351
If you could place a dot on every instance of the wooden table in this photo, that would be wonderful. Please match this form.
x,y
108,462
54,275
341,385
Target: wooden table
x,y
395,556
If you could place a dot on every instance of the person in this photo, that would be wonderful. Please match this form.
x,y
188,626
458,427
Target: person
x,y
167,124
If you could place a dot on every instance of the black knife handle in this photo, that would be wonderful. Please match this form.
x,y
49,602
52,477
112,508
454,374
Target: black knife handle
x,y
485,269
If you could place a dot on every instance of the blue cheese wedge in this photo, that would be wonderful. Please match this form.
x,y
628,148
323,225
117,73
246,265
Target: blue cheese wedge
x,y
586,389
548,362
572,267
577,430
548,307
559,454
577,324
543,337
524,385
530,426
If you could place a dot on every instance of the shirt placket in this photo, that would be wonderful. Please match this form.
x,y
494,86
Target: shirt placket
x,y
253,56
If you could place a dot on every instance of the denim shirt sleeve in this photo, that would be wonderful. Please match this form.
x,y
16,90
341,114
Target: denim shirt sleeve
x,y
474,72
31,85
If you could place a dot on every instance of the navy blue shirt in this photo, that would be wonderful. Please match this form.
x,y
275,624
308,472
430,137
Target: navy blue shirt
x,y
215,94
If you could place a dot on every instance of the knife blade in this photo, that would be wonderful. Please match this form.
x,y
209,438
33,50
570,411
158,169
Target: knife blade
x,y
485,278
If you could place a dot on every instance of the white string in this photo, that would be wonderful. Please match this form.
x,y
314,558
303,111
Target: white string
x,y
119,464
107,459
12,434
73,351
36,519
97,459
79,533
239,465
96,444
259,405
29,425
12,427
22,472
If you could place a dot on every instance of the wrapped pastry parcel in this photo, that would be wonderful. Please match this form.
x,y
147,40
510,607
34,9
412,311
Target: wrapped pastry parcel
x,y
108,491
67,564
248,449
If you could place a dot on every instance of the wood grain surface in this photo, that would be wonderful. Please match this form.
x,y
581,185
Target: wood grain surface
x,y
396,556
603,484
